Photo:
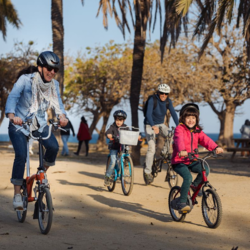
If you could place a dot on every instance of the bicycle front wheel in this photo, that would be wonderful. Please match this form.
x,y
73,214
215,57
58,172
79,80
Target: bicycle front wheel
x,y
45,214
21,214
111,187
211,208
172,177
127,176
173,196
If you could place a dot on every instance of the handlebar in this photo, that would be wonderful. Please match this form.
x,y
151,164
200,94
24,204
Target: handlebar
x,y
192,156
29,122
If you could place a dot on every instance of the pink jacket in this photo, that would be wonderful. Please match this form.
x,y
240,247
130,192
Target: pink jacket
x,y
187,140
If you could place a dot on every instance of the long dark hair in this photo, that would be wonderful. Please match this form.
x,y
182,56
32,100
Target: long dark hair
x,y
83,120
191,112
28,70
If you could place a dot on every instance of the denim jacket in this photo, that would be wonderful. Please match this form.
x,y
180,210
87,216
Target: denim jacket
x,y
19,101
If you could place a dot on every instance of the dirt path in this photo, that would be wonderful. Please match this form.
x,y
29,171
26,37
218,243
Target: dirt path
x,y
87,216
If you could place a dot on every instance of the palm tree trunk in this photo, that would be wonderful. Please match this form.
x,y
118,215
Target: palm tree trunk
x,y
58,37
136,77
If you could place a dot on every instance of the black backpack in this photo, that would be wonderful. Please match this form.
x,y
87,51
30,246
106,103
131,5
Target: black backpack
x,y
155,104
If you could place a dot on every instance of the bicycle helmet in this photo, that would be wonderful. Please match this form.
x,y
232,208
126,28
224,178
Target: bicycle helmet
x,y
189,105
120,113
164,88
48,58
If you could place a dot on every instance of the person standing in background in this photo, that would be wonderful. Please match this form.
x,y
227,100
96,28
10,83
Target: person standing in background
x,y
245,134
65,137
83,135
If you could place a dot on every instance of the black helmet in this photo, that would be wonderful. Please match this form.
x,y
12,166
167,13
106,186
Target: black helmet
x,y
48,58
120,113
189,105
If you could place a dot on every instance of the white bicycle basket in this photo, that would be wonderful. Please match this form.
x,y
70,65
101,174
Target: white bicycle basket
x,y
129,137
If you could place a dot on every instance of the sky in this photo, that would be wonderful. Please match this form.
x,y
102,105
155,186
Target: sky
x,y
83,29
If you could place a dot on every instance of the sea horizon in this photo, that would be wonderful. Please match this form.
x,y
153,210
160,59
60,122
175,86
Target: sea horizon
x,y
72,139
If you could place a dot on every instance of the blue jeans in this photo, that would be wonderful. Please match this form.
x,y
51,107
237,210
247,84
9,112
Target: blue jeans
x,y
65,150
113,157
184,171
19,142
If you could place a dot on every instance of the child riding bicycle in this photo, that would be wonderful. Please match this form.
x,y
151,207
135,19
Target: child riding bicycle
x,y
114,146
188,134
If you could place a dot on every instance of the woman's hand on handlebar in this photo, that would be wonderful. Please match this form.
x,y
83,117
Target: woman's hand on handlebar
x,y
15,119
219,150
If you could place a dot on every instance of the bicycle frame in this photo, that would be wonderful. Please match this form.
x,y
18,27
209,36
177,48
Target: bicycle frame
x,y
204,182
39,176
123,154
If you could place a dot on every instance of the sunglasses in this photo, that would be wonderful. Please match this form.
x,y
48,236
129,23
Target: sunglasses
x,y
49,68
162,93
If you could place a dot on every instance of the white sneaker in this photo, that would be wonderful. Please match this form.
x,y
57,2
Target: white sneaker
x,y
18,202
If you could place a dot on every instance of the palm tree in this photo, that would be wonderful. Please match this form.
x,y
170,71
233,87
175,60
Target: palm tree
x,y
8,13
58,37
142,11
212,14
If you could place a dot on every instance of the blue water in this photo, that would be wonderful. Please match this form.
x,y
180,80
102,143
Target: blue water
x,y
214,137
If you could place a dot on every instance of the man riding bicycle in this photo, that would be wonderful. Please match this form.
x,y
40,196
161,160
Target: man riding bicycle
x,y
156,110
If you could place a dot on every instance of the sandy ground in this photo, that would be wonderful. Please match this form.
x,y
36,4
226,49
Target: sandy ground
x,y
87,216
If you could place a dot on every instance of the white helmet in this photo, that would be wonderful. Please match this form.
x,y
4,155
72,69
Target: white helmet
x,y
164,88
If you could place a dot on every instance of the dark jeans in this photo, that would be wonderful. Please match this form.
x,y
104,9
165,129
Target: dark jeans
x,y
184,171
86,145
19,142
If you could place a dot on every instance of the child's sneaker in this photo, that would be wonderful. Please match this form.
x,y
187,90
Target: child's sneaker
x,y
107,180
182,207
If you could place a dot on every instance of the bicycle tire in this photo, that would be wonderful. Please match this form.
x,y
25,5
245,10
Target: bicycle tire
x,y
111,188
174,194
45,213
127,176
21,214
172,177
211,208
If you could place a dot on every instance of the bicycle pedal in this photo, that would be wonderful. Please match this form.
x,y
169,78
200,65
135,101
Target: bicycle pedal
x,y
195,202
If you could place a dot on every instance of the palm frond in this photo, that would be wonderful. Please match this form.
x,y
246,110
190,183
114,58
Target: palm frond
x,y
211,29
182,6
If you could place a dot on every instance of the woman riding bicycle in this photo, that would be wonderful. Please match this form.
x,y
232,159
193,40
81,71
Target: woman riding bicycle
x,y
34,92
188,134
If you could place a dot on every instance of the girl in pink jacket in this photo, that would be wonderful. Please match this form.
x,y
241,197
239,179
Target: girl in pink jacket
x,y
188,134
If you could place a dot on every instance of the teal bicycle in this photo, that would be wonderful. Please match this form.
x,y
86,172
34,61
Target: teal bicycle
x,y
124,167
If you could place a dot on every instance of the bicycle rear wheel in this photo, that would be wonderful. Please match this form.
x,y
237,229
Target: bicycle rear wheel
x,y
175,194
211,208
127,176
111,188
21,214
45,214
171,177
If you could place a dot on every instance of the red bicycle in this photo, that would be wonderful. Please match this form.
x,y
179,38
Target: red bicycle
x,y
43,207
211,203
